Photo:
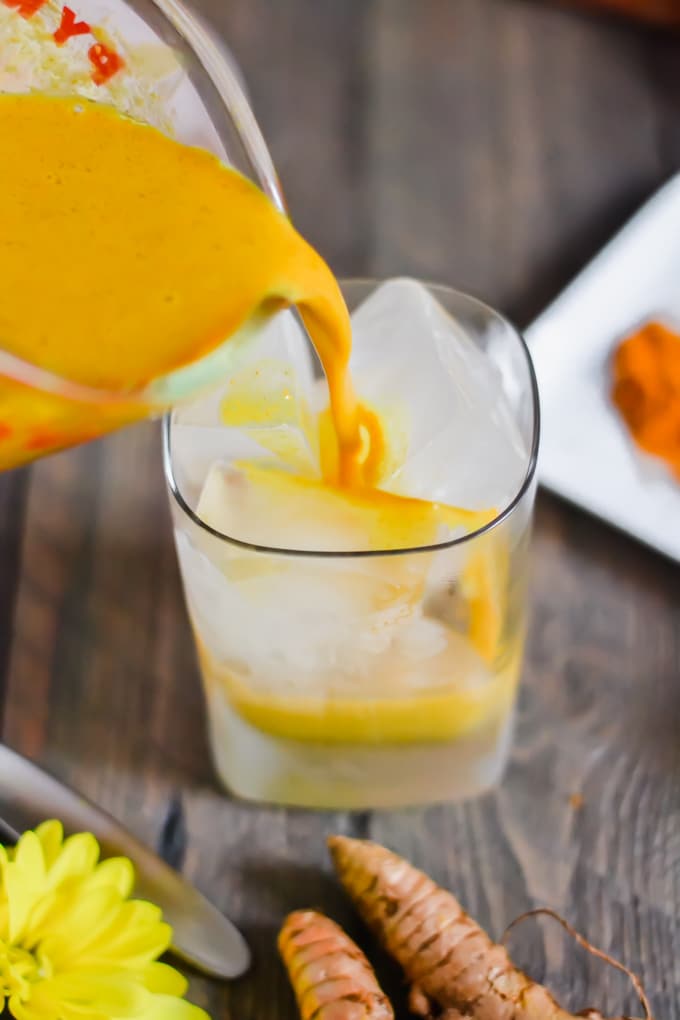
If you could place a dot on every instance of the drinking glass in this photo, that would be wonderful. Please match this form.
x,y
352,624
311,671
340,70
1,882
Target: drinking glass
x,y
322,685
155,60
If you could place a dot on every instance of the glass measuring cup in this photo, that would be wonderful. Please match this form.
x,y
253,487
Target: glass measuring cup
x,y
156,61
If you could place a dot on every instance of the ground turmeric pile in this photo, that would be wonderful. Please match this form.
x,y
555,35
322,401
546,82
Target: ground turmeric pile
x,y
331,977
646,390
455,971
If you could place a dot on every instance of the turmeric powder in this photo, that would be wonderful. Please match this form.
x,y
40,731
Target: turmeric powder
x,y
455,971
646,390
331,977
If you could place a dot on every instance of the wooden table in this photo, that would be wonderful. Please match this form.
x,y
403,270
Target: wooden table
x,y
494,145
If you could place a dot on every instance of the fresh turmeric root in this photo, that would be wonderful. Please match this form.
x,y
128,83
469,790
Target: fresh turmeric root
x,y
331,977
454,969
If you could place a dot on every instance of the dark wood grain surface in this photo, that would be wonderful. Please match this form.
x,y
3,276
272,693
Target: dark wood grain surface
x,y
494,145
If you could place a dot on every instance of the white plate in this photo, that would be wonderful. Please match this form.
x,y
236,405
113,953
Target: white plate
x,y
587,455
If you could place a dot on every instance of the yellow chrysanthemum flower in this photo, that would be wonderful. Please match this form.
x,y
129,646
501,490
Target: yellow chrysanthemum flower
x,y
73,946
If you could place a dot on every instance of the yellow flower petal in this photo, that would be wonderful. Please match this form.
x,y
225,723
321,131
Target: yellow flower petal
x,y
112,884
51,836
44,909
161,979
29,857
23,880
134,915
130,950
165,1008
115,995
21,894
78,858
117,872
84,912
76,1013
66,935
24,1010
4,903
140,945
139,913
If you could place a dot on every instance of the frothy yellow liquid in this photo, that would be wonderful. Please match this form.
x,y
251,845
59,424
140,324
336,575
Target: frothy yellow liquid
x,y
124,256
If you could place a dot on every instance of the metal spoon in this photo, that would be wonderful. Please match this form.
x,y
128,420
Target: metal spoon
x,y
202,936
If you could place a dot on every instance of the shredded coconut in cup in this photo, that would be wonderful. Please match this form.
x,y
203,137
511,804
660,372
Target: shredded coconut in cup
x,y
103,53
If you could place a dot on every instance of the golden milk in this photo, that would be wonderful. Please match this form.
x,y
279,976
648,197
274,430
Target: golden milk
x,y
124,256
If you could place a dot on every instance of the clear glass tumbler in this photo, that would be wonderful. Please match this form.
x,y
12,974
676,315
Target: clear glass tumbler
x,y
367,679
156,61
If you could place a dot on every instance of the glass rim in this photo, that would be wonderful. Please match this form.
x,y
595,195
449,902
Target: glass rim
x,y
329,554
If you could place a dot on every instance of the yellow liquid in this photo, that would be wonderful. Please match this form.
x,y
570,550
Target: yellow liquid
x,y
467,679
124,256
430,715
